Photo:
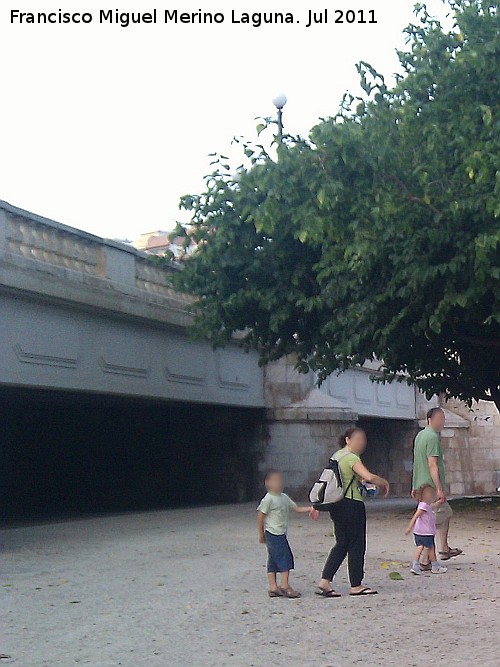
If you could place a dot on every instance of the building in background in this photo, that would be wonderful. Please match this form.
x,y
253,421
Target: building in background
x,y
159,243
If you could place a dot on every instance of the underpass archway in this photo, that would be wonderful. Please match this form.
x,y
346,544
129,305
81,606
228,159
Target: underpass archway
x,y
66,453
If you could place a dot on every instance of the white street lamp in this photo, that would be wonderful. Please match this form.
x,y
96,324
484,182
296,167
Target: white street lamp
x,y
279,102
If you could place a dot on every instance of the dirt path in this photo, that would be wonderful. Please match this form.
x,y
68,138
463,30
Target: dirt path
x,y
187,588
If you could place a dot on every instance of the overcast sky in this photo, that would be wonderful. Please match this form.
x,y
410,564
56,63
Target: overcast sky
x,y
104,128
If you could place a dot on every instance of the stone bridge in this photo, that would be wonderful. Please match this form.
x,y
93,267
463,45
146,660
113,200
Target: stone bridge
x,y
96,356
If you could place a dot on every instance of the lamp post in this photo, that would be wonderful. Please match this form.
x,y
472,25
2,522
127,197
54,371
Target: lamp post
x,y
279,102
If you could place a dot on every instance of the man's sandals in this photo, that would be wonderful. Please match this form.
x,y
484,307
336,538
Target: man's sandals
x,y
445,555
451,553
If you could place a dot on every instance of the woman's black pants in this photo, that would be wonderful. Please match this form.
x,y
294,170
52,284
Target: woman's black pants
x,y
349,520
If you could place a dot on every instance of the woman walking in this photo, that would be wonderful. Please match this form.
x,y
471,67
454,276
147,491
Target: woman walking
x,y
349,516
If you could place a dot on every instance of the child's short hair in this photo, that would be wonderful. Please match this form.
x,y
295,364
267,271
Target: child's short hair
x,y
271,472
432,411
420,491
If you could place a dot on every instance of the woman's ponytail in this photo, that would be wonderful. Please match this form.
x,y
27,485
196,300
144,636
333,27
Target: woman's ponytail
x,y
348,434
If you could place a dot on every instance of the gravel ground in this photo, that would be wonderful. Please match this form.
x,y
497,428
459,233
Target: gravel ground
x,y
187,587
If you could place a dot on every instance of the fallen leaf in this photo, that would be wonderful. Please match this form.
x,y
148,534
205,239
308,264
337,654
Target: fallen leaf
x,y
395,576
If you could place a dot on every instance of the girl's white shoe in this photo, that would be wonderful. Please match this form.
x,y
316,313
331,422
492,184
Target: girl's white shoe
x,y
439,569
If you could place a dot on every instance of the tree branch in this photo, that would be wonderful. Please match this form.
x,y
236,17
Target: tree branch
x,y
410,196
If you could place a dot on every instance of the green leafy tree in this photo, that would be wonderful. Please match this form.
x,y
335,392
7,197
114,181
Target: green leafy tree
x,y
378,236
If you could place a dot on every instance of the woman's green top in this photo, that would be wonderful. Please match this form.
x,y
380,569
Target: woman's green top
x,y
346,463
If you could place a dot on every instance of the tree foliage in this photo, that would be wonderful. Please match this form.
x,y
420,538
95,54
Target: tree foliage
x,y
378,236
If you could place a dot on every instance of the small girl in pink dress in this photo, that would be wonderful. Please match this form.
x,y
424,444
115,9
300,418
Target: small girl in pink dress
x,y
423,525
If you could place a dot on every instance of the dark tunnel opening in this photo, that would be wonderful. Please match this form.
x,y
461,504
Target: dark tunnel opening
x,y
65,453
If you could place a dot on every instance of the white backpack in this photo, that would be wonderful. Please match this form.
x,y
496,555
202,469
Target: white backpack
x,y
329,489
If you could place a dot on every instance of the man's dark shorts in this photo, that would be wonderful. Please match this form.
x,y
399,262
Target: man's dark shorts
x,y
280,557
424,541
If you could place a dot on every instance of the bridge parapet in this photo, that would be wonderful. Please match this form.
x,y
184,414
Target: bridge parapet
x,y
82,313
46,257
42,242
152,278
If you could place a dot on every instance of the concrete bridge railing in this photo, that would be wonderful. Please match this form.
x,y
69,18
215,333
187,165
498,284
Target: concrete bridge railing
x,y
49,258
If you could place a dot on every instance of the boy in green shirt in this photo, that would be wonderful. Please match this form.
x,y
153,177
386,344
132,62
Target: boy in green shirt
x,y
272,521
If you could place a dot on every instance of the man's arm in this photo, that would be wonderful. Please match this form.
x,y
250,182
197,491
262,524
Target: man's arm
x,y
260,525
434,471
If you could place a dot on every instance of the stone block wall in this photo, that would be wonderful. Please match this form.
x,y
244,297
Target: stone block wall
x,y
301,449
390,451
472,455
471,445
283,385
303,425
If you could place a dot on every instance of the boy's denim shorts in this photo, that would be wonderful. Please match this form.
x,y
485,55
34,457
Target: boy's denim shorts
x,y
279,554
424,541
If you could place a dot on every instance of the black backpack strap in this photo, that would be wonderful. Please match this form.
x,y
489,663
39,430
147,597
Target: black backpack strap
x,y
350,483
353,473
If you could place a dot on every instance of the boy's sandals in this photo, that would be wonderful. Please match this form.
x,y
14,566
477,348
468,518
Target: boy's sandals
x,y
289,593
364,591
327,593
451,553
284,593
278,593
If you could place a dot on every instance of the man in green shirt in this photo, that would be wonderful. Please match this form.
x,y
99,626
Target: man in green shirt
x,y
428,468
